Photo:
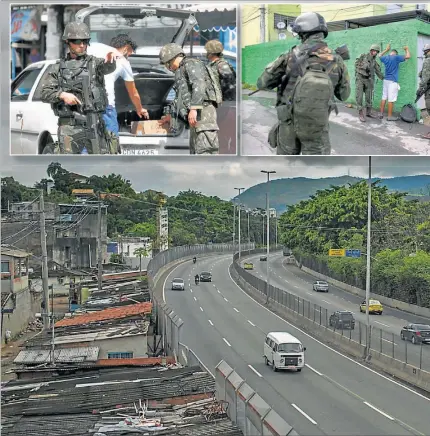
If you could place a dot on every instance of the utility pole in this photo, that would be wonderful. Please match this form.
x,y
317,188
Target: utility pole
x,y
53,327
268,231
262,23
239,189
369,224
249,237
45,284
234,227
99,245
276,232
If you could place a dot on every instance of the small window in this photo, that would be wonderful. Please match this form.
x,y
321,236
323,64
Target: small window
x,y
120,355
5,268
23,84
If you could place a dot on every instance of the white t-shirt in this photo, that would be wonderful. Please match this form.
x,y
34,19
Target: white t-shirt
x,y
123,69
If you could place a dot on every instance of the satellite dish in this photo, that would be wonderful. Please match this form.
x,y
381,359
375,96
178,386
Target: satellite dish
x,y
281,25
282,36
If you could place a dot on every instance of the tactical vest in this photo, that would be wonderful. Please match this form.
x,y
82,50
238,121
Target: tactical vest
x,y
80,78
213,90
363,66
228,90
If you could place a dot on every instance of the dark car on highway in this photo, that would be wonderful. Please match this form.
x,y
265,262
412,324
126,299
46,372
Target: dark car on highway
x,y
263,258
416,333
205,276
342,319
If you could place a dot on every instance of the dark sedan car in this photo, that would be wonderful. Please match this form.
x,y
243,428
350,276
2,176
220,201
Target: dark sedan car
x,y
416,333
205,276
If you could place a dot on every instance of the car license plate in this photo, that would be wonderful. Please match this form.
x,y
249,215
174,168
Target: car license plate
x,y
291,367
139,152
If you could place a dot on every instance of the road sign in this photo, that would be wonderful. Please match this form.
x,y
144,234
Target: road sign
x,y
336,252
353,253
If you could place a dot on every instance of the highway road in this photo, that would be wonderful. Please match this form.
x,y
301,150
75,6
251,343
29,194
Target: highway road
x,y
333,395
292,279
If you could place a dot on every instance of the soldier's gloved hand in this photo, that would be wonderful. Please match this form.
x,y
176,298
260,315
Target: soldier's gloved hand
x,y
113,55
143,113
69,98
192,117
166,119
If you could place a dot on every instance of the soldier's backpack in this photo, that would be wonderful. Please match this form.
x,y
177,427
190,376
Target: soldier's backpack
x,y
408,113
227,92
312,98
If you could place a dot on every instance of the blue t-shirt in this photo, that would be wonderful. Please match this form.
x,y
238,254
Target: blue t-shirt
x,y
392,64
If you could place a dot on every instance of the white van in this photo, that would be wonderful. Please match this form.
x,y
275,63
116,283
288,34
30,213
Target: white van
x,y
284,351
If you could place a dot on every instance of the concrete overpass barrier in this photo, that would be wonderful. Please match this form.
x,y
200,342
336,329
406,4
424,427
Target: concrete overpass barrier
x,y
246,408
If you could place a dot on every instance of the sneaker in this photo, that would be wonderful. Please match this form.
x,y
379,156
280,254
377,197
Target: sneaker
x,y
381,116
393,118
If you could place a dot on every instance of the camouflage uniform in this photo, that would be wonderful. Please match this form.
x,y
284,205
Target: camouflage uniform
x,y
195,89
424,86
288,142
73,134
365,69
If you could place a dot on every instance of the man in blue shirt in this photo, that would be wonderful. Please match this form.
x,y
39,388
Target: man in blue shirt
x,y
391,85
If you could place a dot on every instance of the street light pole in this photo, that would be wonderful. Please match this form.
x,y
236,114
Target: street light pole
x,y
368,257
234,227
239,189
249,238
268,232
276,232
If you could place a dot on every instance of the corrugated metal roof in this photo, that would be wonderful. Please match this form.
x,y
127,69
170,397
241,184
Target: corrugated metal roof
x,y
13,252
80,354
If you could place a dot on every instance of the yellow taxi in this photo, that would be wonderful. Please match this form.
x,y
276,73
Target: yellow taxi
x,y
375,306
248,265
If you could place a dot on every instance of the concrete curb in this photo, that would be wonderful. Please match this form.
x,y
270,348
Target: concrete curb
x,y
402,371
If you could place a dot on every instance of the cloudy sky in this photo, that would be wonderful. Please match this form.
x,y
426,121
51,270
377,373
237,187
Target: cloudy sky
x,y
212,175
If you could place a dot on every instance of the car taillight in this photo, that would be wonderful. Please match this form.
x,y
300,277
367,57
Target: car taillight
x,y
418,333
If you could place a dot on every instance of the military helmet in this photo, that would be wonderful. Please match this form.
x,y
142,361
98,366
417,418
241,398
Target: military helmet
x,y
75,30
426,48
169,52
214,46
310,22
375,47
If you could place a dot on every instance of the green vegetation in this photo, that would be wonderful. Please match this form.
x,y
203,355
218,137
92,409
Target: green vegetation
x,y
337,218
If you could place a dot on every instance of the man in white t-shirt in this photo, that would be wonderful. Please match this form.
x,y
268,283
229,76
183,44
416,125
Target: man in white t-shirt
x,y
125,46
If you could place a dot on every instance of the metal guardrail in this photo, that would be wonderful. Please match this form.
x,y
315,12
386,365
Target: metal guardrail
x,y
168,324
381,341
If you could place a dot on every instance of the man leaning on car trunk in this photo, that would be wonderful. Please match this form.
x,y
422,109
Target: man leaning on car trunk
x,y
197,98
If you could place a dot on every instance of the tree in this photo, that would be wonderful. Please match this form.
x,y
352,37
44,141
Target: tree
x,y
141,251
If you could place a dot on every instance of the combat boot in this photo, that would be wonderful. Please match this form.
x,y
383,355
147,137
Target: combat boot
x,y
361,116
370,114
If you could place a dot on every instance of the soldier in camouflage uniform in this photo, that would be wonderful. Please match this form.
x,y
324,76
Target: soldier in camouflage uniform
x,y
283,74
76,91
197,98
222,69
424,86
365,69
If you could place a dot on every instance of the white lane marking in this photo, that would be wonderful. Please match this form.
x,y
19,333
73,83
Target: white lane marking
x,y
191,290
201,308
381,323
390,342
304,414
225,340
309,293
253,325
379,411
259,375
210,322
225,299
195,299
325,301
219,291
313,369
326,346
235,309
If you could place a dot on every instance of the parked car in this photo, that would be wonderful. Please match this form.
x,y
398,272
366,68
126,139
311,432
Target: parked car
x,y
263,258
320,286
248,265
416,333
178,284
375,306
342,319
205,276
33,123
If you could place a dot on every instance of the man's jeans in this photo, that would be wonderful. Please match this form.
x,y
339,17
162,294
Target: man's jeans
x,y
111,121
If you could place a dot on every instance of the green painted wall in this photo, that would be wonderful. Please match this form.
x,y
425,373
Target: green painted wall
x,y
256,57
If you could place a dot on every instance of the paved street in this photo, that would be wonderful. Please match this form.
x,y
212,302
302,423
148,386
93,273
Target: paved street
x,y
332,395
348,135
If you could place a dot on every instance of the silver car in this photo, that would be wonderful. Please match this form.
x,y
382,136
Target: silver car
x,y
178,285
320,286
